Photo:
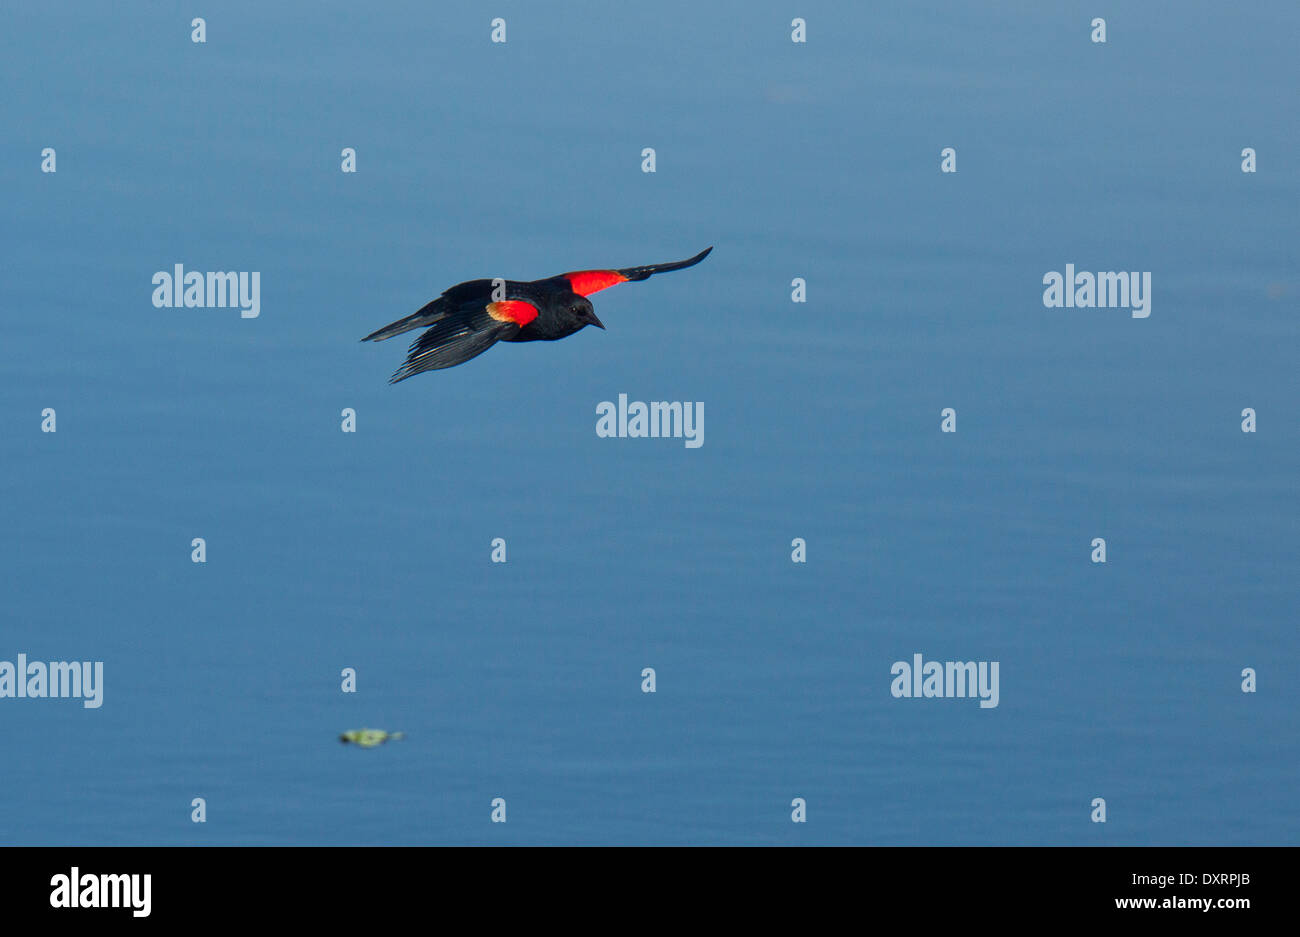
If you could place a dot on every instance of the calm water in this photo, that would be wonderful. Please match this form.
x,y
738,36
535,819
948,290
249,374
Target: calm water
x,y
371,550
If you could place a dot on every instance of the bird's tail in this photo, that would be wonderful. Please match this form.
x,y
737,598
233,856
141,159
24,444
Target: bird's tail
x,y
430,314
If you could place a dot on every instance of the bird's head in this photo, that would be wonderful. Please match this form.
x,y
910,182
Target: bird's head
x,y
582,311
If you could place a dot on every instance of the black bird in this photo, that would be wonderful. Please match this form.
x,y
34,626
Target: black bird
x,y
471,317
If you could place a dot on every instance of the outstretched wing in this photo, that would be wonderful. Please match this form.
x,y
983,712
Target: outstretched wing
x,y
462,332
586,282
462,322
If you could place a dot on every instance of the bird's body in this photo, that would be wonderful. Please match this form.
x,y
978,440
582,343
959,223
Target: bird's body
x,y
471,317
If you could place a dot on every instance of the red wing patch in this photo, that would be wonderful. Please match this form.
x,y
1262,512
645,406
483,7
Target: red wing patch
x,y
513,310
586,282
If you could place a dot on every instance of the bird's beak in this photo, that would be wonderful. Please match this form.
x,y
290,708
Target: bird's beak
x,y
596,322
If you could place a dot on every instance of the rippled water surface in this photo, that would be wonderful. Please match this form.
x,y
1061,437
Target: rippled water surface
x,y
371,550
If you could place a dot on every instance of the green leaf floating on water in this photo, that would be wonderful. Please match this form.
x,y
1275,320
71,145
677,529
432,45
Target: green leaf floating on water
x,y
369,738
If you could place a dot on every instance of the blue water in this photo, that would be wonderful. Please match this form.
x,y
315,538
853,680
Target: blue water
x,y
371,550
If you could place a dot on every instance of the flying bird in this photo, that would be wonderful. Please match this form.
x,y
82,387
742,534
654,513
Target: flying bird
x,y
471,317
